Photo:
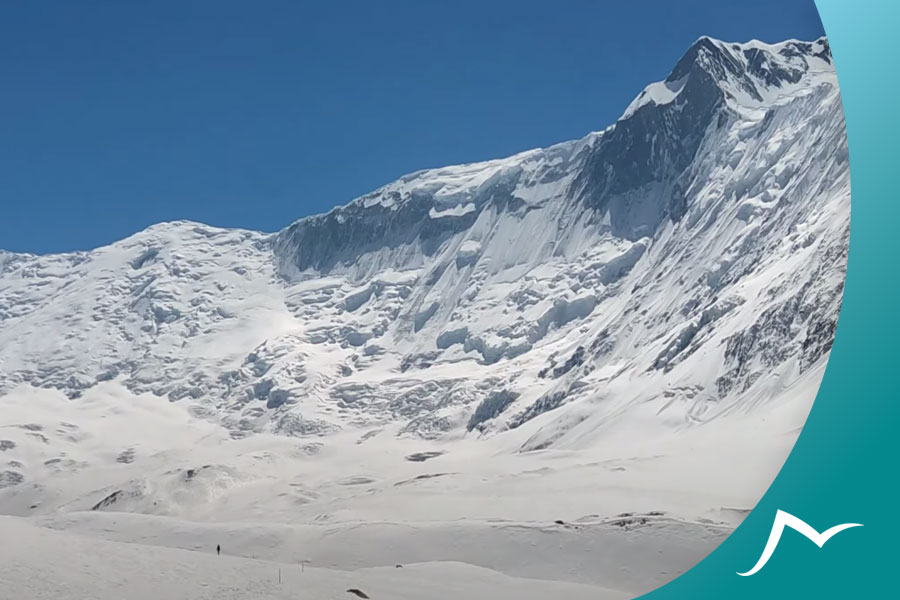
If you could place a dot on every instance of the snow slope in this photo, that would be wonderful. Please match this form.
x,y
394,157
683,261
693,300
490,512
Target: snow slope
x,y
634,322
48,565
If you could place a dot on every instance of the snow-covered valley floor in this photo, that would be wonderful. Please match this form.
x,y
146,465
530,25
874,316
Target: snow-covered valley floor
x,y
618,519
46,565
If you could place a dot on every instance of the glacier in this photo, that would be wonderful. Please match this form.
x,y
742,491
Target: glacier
x,y
622,324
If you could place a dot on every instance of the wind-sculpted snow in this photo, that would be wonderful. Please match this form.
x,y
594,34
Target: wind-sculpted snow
x,y
683,264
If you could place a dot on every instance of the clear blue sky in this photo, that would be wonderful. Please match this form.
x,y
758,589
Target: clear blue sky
x,y
117,115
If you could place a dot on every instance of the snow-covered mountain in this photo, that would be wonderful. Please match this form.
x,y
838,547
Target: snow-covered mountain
x,y
682,265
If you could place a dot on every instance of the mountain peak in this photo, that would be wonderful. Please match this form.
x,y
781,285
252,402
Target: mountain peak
x,y
423,209
751,73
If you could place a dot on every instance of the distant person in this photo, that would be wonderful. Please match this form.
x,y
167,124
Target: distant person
x,y
218,549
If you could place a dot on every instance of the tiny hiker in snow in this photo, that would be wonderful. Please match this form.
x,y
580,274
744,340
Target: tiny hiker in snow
x,y
218,549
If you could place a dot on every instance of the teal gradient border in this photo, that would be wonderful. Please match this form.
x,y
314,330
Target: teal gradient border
x,y
843,467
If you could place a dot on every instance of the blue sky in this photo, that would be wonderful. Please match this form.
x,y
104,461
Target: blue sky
x,y
118,115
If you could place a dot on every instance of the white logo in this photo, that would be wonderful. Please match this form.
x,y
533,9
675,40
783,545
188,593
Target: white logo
x,y
782,520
